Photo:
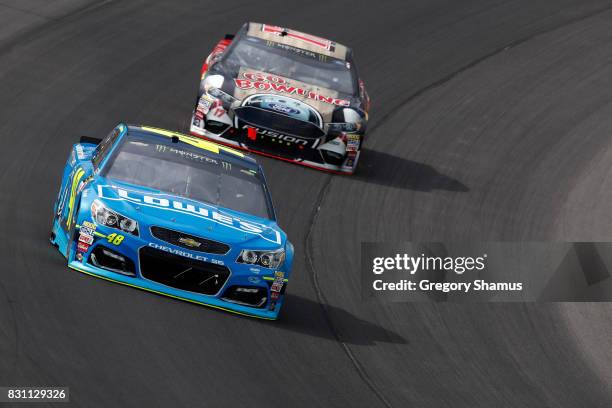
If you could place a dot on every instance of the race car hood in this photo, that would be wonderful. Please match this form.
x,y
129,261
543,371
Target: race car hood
x,y
151,208
300,99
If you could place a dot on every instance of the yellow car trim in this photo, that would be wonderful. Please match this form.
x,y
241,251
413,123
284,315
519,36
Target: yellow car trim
x,y
194,141
168,295
75,182
271,278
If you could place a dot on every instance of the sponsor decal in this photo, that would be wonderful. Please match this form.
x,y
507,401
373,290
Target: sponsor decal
x,y
186,155
263,77
203,106
296,50
82,247
277,285
265,84
283,109
199,210
352,146
86,231
87,239
310,39
184,253
190,242
90,225
219,112
254,279
285,105
274,135
80,152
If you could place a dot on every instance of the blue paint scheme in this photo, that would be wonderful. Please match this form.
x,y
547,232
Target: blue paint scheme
x,y
91,184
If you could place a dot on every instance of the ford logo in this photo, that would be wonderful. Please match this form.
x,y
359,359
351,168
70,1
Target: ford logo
x,y
284,109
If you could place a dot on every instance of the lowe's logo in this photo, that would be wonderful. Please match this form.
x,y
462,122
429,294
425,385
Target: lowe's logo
x,y
169,203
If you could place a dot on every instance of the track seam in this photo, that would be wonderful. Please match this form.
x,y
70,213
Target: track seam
x,y
323,301
478,61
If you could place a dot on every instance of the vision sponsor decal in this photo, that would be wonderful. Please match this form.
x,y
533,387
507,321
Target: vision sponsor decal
x,y
266,84
277,136
199,210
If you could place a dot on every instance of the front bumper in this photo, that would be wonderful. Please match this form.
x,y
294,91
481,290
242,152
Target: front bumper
x,y
235,140
240,276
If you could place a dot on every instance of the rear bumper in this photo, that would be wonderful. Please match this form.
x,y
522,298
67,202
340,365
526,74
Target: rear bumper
x,y
253,148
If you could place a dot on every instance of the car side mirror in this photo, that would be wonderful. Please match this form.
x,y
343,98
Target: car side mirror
x,y
91,140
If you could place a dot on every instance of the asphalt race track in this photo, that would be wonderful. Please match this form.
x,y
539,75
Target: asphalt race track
x,y
491,120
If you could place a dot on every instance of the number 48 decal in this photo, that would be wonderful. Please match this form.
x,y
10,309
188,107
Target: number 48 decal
x,y
115,239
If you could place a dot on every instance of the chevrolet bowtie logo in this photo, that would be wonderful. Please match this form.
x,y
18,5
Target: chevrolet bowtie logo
x,y
190,242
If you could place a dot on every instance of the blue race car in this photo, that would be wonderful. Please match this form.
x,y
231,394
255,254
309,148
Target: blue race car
x,y
175,215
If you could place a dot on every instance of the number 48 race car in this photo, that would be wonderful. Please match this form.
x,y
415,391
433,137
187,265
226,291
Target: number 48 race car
x,y
285,94
175,215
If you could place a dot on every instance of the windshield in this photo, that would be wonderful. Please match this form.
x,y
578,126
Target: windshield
x,y
325,72
186,171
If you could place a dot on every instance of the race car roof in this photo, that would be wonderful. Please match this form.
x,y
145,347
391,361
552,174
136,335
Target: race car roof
x,y
206,145
294,38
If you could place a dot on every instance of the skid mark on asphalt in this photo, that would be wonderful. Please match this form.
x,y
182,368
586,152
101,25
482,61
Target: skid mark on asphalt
x,y
323,301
